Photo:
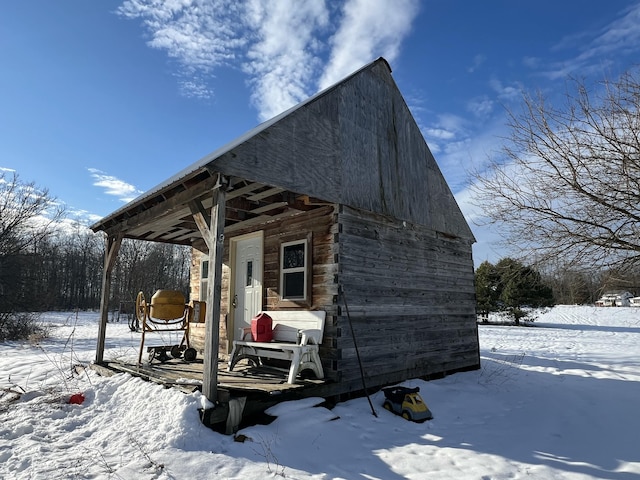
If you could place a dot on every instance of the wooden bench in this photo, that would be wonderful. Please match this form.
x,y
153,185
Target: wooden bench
x,y
296,337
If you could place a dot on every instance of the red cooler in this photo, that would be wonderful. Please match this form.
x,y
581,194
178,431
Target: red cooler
x,y
261,328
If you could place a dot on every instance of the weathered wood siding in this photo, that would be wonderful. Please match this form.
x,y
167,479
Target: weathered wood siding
x,y
319,226
194,275
197,330
410,296
355,144
409,292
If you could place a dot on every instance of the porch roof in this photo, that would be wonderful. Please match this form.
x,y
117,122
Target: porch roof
x,y
168,214
163,214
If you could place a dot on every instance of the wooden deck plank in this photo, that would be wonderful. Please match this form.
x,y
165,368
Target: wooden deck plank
x,y
187,376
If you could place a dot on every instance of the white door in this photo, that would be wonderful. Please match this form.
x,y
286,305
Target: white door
x,y
247,282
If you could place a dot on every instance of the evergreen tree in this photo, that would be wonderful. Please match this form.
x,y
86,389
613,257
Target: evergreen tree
x,y
487,289
510,286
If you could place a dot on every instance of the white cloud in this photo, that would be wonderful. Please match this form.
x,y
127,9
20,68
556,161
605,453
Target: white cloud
x,y
447,129
283,60
278,44
452,122
114,186
506,92
195,88
470,151
621,37
481,107
75,225
82,217
200,35
439,133
368,29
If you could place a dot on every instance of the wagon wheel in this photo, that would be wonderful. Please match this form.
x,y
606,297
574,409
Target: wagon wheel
x,y
190,354
176,352
141,307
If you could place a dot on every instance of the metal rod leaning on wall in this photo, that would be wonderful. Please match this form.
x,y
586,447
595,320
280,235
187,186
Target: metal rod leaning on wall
x,y
355,344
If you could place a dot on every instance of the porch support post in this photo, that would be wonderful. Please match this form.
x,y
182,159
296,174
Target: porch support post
x,y
112,246
214,293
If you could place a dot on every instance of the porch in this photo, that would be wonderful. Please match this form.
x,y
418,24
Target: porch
x,y
262,387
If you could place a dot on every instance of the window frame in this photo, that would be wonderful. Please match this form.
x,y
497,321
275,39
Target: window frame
x,y
204,281
306,269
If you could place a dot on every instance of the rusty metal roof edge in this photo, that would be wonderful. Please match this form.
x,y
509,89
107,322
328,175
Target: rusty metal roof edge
x,y
205,161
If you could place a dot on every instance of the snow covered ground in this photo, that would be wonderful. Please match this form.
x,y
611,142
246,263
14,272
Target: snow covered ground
x,y
555,401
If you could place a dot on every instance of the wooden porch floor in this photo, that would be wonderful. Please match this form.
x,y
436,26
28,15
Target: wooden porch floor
x,y
262,387
244,380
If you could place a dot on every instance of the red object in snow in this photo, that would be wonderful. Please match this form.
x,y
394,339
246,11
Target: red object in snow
x,y
261,328
76,399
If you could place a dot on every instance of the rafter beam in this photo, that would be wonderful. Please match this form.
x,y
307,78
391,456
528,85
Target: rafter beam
x,y
267,193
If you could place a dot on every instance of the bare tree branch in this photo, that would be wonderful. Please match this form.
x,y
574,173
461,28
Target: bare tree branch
x,y
27,215
567,184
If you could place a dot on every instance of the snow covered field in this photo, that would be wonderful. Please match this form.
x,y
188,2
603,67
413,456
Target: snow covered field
x,y
555,401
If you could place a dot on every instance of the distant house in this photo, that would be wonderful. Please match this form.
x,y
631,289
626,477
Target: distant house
x,y
338,205
615,299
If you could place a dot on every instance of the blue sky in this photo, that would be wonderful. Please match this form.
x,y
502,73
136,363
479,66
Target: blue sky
x,y
102,100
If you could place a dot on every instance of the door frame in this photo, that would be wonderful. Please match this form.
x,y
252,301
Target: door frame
x,y
233,248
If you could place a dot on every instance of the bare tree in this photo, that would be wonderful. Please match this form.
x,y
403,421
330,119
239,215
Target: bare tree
x,y
27,214
147,267
45,264
568,183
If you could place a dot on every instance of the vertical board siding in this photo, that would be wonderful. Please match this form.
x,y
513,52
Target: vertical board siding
x,y
194,275
411,299
354,144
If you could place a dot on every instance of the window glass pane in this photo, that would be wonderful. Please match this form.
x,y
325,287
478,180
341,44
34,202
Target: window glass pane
x,y
293,256
205,269
249,280
204,291
293,285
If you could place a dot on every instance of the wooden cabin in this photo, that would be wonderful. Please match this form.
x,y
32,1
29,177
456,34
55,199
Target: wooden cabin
x,y
337,205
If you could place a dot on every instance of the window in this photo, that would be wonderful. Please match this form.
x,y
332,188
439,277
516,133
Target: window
x,y
204,280
293,270
249,277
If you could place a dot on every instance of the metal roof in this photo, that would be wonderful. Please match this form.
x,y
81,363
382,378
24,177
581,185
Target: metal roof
x,y
354,143
205,167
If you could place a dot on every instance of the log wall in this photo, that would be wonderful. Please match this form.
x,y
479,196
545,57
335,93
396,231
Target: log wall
x,y
409,292
411,301
318,226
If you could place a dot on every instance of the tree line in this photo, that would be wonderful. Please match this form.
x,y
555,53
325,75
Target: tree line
x,y
48,264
